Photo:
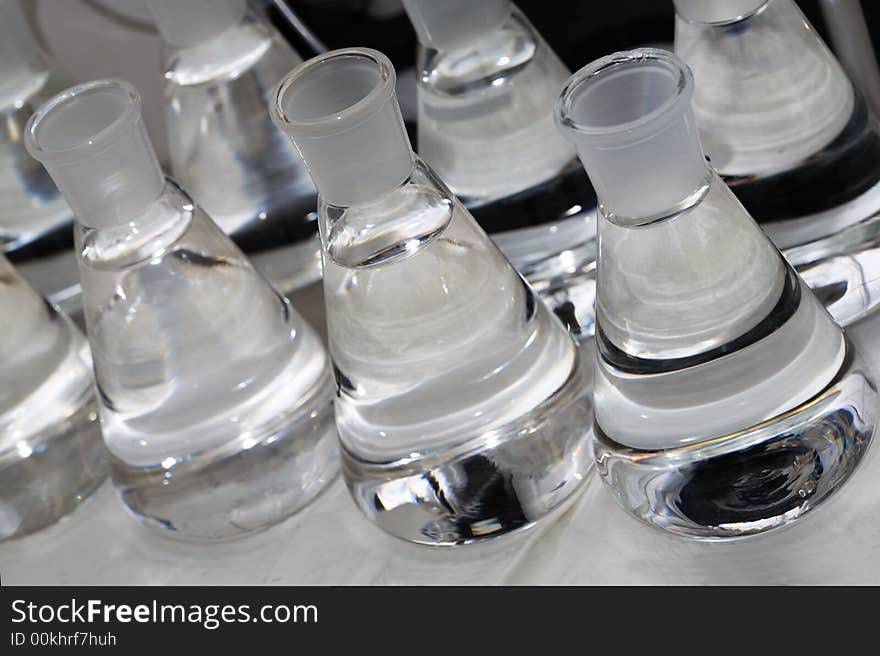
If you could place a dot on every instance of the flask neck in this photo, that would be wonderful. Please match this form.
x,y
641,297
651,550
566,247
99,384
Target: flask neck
x,y
629,117
340,110
189,23
92,140
454,23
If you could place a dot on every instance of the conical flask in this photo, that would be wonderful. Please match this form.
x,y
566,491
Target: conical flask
x,y
487,84
51,455
792,137
461,404
215,396
727,401
35,221
220,61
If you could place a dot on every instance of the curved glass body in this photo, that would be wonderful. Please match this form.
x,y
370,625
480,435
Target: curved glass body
x,y
51,455
489,101
783,125
435,338
462,401
449,369
207,377
696,341
35,221
215,397
727,401
226,152
485,124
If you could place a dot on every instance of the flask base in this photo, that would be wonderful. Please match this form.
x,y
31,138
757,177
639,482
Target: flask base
x,y
49,476
753,481
207,499
842,269
502,481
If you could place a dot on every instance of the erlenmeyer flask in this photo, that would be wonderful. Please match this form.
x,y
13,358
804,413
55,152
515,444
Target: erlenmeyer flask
x,y
487,84
219,61
727,400
35,221
461,404
51,455
215,396
792,137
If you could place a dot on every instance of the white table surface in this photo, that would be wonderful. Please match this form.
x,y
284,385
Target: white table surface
x,y
594,541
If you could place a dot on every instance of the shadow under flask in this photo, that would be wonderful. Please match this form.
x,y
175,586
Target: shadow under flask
x,y
220,62
792,137
487,82
51,454
462,404
36,224
215,397
727,401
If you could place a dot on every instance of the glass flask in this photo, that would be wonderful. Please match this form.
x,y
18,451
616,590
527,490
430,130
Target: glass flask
x,y
51,455
220,61
792,137
462,404
727,400
487,84
215,397
35,221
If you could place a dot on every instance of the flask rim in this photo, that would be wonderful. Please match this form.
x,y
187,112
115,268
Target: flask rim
x,y
647,122
343,119
129,115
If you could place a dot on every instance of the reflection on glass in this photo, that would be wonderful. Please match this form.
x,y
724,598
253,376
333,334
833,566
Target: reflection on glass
x,y
51,455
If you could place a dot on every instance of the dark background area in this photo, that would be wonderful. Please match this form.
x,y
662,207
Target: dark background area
x,y
578,30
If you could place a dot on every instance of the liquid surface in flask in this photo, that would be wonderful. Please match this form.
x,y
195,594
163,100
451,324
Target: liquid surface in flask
x,y
472,345
696,342
224,149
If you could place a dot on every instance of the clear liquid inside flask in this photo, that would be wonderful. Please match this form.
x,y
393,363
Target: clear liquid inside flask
x,y
35,221
487,83
51,454
462,403
792,137
719,374
220,61
215,396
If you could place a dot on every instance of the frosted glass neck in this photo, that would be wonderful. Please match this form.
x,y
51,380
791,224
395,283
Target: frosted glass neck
x,y
714,12
187,23
21,58
629,117
451,23
341,112
92,140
